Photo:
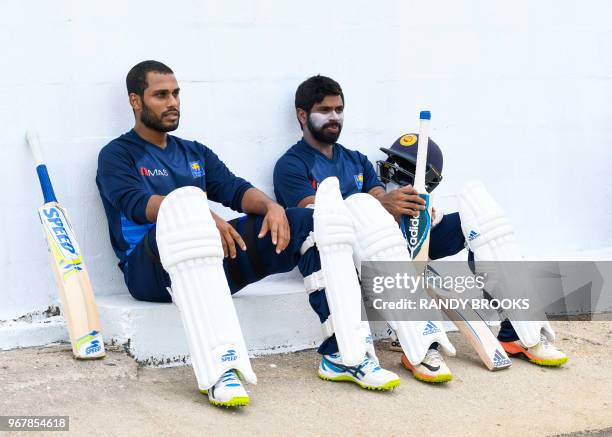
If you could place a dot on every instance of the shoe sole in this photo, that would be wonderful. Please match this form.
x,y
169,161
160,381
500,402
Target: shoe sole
x,y
240,401
517,351
385,387
424,378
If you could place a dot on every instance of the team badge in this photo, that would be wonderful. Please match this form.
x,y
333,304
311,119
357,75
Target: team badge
x,y
408,140
197,171
359,181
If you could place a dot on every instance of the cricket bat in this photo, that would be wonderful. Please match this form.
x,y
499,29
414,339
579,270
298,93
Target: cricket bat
x,y
76,294
417,230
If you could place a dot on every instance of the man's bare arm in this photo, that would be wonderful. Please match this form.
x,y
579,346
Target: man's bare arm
x,y
399,202
153,207
306,201
275,220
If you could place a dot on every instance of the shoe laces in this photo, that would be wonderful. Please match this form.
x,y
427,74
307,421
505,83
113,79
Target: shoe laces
x,y
433,357
368,364
545,343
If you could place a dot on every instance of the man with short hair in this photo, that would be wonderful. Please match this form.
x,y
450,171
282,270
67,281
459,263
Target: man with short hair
x,y
137,170
319,105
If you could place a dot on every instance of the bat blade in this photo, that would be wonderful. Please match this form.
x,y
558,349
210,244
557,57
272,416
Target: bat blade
x,y
477,332
76,293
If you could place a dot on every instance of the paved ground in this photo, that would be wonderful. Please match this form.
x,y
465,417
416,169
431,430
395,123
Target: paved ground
x,y
116,397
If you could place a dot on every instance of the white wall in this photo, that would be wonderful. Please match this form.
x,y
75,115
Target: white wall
x,y
519,95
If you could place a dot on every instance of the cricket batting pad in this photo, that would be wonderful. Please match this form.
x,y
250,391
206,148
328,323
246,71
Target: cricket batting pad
x,y
490,235
191,252
380,239
335,238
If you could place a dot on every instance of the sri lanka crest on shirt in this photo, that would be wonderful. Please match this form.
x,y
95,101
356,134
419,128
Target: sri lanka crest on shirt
x,y
359,180
197,169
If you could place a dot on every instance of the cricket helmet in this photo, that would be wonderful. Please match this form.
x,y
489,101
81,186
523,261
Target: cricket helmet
x,y
400,165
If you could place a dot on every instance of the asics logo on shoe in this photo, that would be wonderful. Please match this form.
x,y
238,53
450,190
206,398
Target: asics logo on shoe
x,y
430,328
430,367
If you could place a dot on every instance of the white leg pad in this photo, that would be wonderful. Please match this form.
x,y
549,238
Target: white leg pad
x,y
380,239
335,239
191,252
490,235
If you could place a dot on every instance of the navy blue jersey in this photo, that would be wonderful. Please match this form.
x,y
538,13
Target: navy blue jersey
x,y
302,168
131,170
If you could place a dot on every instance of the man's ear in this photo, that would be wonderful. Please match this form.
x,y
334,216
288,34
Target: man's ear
x,y
135,102
302,116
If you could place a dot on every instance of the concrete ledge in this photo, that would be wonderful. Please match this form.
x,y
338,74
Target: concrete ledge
x,y
275,317
18,334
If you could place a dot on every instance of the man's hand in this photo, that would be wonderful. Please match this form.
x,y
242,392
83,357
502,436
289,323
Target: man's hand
x,y
402,201
229,237
276,222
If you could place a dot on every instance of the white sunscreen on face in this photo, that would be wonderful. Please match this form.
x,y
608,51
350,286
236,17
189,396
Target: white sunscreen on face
x,y
319,119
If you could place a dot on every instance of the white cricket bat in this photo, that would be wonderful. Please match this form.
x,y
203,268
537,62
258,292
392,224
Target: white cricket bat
x,y
416,230
76,294
419,227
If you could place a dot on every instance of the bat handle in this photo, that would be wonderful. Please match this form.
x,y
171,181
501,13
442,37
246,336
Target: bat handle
x,y
34,143
421,161
41,168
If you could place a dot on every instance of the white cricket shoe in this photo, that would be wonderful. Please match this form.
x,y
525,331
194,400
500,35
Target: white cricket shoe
x,y
431,369
228,391
368,374
544,353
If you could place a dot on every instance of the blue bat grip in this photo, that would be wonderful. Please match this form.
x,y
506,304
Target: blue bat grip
x,y
425,115
45,183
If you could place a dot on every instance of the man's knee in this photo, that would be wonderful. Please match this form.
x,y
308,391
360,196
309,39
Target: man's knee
x,y
447,237
301,224
300,218
149,291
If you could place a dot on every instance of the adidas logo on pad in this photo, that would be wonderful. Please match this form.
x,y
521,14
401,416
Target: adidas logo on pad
x,y
430,328
473,235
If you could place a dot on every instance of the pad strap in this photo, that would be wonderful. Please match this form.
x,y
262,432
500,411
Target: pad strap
x,y
308,243
314,281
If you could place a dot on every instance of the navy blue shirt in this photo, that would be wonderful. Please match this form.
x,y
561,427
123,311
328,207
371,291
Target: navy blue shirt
x,y
302,168
131,170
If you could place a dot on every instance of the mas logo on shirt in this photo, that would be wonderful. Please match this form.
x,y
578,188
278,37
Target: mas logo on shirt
x,y
155,172
359,181
197,170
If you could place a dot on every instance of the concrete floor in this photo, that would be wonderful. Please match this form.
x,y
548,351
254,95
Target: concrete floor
x,y
117,397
